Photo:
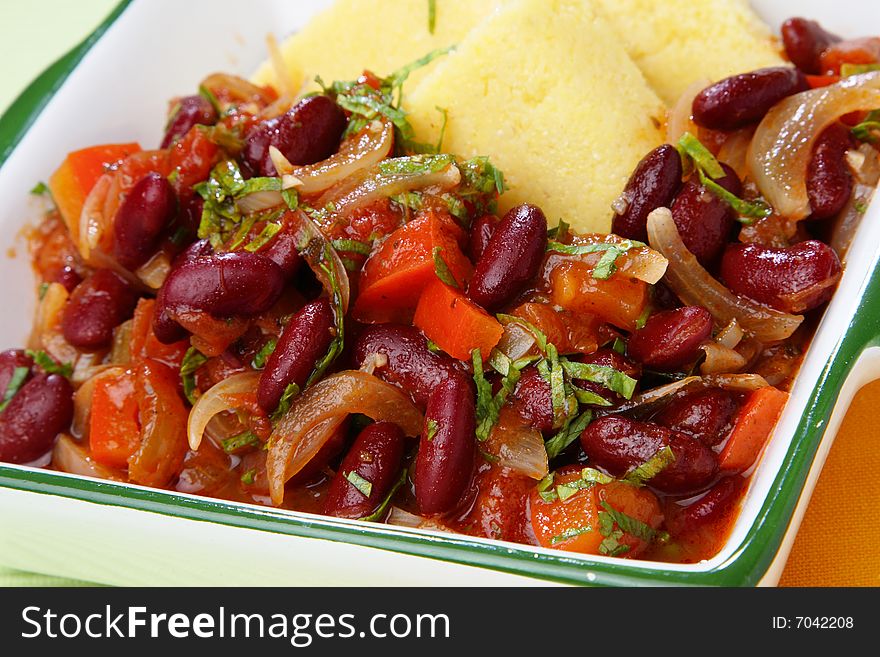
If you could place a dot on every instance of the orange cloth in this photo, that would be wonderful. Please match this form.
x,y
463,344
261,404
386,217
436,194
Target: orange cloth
x,y
839,540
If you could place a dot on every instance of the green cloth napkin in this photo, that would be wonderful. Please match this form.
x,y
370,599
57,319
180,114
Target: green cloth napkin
x,y
38,34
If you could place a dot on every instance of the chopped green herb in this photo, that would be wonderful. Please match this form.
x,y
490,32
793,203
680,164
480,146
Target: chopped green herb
x,y
489,405
432,428
432,15
619,345
540,338
567,434
489,458
41,291
569,534
291,391
415,164
434,347
442,269
748,210
691,147
49,365
260,358
19,374
208,95
239,441
39,189
848,69
611,251
869,129
379,513
269,231
613,379
589,397
193,359
249,477
263,184
860,206
364,486
291,198
662,459
559,232
642,319
634,526
352,246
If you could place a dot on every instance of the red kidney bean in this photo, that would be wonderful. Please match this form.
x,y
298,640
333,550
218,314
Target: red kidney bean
x,y
189,215
618,444
283,252
166,329
303,342
805,41
706,223
481,232
652,185
533,400
375,456
98,305
710,508
511,258
445,461
411,365
195,250
190,111
308,133
793,280
42,408
829,181
142,217
224,284
608,358
671,339
707,415
745,98
10,360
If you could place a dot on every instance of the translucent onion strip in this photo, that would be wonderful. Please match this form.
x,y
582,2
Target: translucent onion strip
x,y
218,399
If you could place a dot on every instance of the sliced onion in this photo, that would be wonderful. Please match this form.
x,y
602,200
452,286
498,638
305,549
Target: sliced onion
x,y
314,248
645,265
400,518
89,233
218,399
734,152
866,178
720,359
783,143
120,352
70,457
236,89
696,287
516,341
731,335
298,436
519,447
259,201
155,270
361,190
680,120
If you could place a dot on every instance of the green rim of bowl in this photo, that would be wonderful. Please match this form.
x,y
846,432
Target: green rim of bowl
x,y
745,567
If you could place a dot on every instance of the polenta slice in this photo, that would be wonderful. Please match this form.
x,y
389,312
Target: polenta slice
x,y
677,42
376,35
545,90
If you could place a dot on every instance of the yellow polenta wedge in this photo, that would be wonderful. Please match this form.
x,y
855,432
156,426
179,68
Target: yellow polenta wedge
x,y
376,35
677,42
544,89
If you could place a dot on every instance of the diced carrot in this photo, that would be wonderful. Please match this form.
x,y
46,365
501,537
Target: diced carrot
x,y
144,343
395,276
79,172
619,300
114,426
751,430
455,323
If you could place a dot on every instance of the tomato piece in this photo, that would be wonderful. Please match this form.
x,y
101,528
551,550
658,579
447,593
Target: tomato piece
x,y
395,276
499,510
455,323
74,179
817,81
144,343
192,157
114,426
853,51
618,300
752,428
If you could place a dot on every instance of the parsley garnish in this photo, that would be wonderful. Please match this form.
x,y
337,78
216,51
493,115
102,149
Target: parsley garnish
x,y
570,533
607,264
39,189
19,374
751,209
260,358
192,361
352,246
662,459
442,269
567,434
869,129
41,292
633,526
208,95
431,429
379,513
239,441
489,405
249,477
415,164
49,365
291,391
269,231
364,486
613,379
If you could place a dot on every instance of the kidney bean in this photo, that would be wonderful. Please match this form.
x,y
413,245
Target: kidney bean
x,y
166,330
829,181
706,223
308,133
190,111
511,258
283,252
608,358
618,444
144,213
411,365
710,508
195,250
303,342
707,415
481,232
652,185
98,305
745,98
793,279
10,360
671,339
533,399
805,41
445,460
189,215
224,284
33,418
375,456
